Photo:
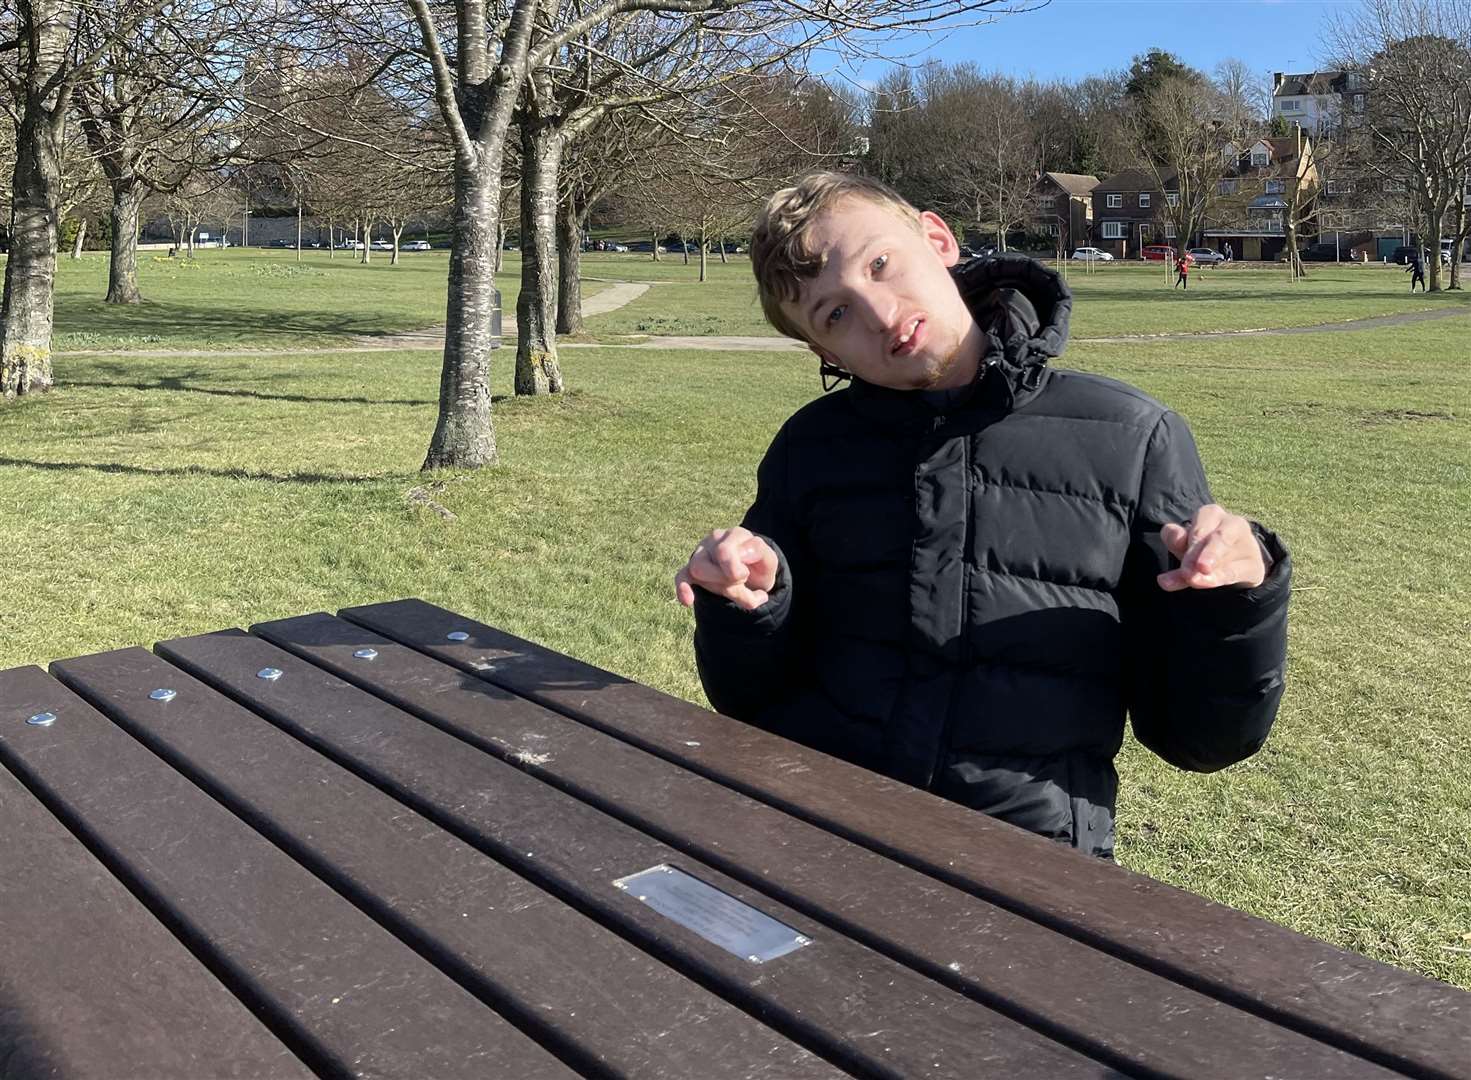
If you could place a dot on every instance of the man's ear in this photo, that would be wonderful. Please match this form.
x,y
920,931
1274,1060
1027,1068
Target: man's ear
x,y
939,237
825,356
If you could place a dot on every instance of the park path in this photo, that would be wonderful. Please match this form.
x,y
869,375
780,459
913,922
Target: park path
x,y
431,338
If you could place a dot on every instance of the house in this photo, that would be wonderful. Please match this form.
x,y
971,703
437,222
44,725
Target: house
x,y
1064,209
1270,179
1126,212
1318,101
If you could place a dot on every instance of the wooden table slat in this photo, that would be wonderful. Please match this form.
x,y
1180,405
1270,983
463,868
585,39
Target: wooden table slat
x,y
1396,1018
92,986
569,982
347,997
856,1007
1144,1023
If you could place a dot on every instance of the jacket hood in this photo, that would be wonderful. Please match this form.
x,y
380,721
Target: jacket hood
x,y
1023,308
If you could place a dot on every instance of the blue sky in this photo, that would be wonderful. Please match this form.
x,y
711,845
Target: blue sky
x,y
1071,39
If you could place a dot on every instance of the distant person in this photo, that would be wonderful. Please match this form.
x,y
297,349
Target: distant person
x,y
1230,254
964,567
1182,272
1416,270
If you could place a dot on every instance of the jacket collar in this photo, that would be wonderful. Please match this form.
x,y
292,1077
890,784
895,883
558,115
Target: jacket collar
x,y
1023,310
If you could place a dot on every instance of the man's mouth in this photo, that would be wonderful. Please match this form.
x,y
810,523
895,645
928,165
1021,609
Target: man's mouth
x,y
909,339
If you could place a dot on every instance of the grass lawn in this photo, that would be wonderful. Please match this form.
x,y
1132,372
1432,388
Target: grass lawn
x,y
150,497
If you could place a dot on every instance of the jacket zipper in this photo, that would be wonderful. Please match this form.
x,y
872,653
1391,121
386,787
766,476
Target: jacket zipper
x,y
968,485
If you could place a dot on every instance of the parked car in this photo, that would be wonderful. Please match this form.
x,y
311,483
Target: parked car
x,y
611,246
382,245
1157,252
416,245
281,243
644,245
1405,252
1092,254
1206,256
350,245
1321,253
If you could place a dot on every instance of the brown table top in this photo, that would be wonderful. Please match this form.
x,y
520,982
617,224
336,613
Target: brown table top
x,y
400,842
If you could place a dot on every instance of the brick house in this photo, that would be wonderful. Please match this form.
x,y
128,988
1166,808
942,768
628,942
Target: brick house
x,y
1126,212
1257,194
1065,209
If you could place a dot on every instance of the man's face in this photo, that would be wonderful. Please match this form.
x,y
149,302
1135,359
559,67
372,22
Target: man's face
x,y
884,306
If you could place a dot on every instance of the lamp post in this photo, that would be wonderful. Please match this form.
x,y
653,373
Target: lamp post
x,y
245,229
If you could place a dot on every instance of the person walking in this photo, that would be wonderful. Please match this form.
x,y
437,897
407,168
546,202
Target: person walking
x,y
1229,251
1182,272
1416,270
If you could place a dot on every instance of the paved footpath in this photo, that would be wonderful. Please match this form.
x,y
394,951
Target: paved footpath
x,y
431,338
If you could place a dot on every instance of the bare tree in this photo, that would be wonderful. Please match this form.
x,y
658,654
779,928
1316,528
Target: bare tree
x,y
1413,58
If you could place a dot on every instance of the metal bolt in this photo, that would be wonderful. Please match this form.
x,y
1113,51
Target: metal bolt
x,y
271,674
42,719
754,959
366,654
458,635
163,694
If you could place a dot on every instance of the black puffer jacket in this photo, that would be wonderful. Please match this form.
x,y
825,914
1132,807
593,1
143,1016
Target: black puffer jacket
x,y
967,598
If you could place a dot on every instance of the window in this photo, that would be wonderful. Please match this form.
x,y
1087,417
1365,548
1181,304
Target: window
x,y
1143,199
1340,187
1290,105
1260,158
1115,202
1275,187
1047,203
1169,230
1358,103
1227,187
1114,230
1172,197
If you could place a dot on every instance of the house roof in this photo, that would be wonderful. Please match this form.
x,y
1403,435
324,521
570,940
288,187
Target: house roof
x,y
1310,82
1073,183
1128,180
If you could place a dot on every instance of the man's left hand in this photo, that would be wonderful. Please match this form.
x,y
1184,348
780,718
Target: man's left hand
x,y
1215,548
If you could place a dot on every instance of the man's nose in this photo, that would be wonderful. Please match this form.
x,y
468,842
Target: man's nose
x,y
879,306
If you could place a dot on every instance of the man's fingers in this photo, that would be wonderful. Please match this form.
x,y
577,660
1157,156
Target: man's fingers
x,y
1176,539
684,592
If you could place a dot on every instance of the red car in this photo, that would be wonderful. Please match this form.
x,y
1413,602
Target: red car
x,y
1157,252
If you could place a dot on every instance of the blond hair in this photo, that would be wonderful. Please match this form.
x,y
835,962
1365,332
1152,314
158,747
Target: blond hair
x,y
781,256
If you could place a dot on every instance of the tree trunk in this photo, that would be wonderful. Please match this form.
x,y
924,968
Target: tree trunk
x,y
537,371
464,436
298,232
122,267
27,307
500,245
704,239
397,232
1458,248
570,221
331,238
1435,220
723,259
654,245
81,238
367,255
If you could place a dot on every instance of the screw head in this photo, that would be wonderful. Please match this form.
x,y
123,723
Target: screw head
x,y
42,719
271,674
366,654
458,635
163,694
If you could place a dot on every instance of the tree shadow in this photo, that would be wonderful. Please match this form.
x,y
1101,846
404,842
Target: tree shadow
x,y
181,383
191,470
225,325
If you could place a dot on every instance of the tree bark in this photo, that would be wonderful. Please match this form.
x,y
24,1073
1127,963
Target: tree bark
x,y
397,232
704,238
27,308
81,238
570,221
122,266
500,245
1435,222
723,259
654,245
537,371
464,436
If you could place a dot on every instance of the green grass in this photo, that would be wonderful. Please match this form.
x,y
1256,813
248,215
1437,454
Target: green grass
x,y
150,497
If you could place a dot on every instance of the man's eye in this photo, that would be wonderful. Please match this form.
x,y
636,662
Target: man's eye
x,y
880,263
835,314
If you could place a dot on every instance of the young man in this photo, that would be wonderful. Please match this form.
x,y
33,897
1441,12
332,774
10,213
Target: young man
x,y
1416,270
962,569
1182,271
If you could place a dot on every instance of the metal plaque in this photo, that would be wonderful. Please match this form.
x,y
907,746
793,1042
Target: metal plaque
x,y
716,916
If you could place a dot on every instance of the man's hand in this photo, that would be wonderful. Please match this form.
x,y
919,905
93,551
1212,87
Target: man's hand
x,y
1217,548
733,563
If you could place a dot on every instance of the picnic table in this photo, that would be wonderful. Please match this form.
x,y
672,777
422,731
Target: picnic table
x,y
398,842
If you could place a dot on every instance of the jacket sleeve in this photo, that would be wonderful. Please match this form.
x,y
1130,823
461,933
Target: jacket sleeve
x,y
1204,668
749,660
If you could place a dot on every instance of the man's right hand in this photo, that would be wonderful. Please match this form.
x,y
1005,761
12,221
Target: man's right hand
x,y
733,563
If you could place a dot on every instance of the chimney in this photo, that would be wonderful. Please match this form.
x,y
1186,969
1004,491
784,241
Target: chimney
x,y
1276,81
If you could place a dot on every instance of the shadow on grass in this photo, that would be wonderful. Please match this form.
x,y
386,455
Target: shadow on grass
x,y
179,384
191,470
165,320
